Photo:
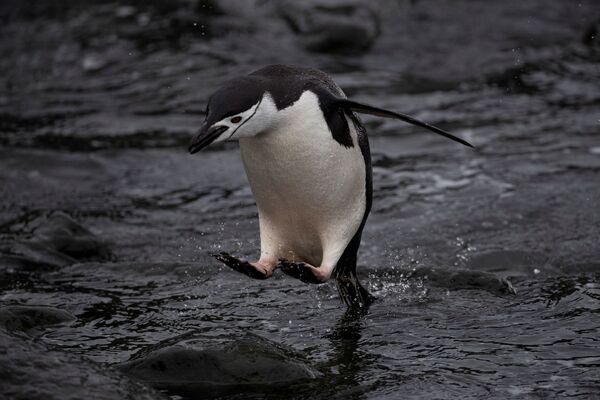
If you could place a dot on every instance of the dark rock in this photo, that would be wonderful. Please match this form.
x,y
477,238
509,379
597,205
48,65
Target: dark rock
x,y
19,272
509,262
26,318
30,371
465,279
247,364
346,28
38,254
64,235
10,264
57,242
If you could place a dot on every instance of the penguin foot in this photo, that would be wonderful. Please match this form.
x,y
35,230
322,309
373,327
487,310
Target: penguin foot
x,y
305,272
241,266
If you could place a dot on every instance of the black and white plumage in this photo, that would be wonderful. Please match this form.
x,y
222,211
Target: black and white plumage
x,y
307,158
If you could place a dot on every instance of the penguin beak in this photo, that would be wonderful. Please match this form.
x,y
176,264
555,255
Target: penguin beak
x,y
205,137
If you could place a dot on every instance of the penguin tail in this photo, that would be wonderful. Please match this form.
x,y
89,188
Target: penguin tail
x,y
352,293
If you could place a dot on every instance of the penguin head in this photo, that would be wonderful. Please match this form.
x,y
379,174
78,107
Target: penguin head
x,y
240,108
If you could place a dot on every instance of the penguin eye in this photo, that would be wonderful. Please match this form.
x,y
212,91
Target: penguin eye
x,y
235,120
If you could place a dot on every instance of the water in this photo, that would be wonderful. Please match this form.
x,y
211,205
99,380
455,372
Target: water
x,y
486,263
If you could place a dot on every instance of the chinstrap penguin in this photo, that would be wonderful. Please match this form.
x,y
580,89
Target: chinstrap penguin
x,y
307,158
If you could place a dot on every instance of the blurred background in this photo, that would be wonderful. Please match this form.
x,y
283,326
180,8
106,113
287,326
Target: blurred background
x,y
486,262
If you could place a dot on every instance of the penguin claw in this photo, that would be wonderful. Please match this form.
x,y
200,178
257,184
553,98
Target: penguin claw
x,y
238,265
299,271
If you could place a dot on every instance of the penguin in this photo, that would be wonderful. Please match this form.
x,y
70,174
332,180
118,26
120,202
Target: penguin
x,y
306,155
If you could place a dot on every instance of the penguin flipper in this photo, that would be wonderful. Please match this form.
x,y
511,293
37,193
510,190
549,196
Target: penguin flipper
x,y
299,271
380,112
238,265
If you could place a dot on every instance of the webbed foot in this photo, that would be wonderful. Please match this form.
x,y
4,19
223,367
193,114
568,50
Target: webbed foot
x,y
302,271
252,270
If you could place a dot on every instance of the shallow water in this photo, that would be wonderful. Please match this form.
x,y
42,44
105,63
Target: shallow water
x,y
486,263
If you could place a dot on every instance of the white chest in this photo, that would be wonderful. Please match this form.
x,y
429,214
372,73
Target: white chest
x,y
309,189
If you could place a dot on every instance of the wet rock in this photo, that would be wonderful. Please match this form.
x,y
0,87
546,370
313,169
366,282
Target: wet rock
x,y
14,264
31,371
26,318
343,28
38,254
65,235
246,364
19,272
509,262
465,279
58,242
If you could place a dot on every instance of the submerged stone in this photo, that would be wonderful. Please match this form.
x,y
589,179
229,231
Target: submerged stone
x,y
31,371
26,318
15,264
245,364
343,28
39,254
465,279
65,235
60,241
509,262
